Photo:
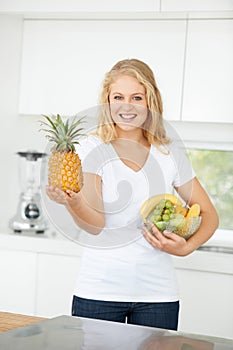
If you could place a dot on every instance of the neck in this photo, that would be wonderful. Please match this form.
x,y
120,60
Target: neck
x,y
134,135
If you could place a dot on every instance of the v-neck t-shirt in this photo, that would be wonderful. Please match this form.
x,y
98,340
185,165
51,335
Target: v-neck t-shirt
x,y
119,264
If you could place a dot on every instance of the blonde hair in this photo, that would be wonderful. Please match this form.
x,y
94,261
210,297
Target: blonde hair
x,y
153,128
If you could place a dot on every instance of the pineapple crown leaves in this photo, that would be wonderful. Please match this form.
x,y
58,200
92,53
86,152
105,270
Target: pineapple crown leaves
x,y
64,134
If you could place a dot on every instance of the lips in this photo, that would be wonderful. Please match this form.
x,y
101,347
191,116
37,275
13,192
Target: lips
x,y
127,116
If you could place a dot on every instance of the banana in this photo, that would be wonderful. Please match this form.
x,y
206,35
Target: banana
x,y
151,203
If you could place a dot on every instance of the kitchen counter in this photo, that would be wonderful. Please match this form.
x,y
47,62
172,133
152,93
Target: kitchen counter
x,y
34,268
73,333
9,321
221,239
49,243
207,259
54,242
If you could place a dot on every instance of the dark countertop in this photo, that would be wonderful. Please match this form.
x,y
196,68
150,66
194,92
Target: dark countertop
x,y
73,333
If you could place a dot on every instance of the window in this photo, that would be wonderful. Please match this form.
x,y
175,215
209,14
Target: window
x,y
214,170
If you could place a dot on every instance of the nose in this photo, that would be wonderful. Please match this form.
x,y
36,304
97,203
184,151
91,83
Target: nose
x,y
127,105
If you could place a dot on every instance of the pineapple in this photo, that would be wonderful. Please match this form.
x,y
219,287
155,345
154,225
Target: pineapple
x,y
64,166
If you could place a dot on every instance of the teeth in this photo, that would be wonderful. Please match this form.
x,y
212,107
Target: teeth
x,y
127,116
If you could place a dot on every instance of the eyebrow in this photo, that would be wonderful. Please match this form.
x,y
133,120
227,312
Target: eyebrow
x,y
120,93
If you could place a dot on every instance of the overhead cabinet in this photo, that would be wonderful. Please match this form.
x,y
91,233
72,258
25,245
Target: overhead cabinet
x,y
208,77
64,63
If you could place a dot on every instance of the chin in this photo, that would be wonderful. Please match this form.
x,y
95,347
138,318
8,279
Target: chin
x,y
128,127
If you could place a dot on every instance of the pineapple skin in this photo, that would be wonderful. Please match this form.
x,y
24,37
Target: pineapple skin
x,y
65,171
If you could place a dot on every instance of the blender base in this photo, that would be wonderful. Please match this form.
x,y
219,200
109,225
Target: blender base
x,y
37,232
20,225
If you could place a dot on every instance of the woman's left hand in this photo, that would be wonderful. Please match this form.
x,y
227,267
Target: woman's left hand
x,y
168,242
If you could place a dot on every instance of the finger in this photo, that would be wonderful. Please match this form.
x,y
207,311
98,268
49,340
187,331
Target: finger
x,y
161,238
156,232
171,235
151,238
49,188
58,191
50,191
70,193
55,194
53,191
146,231
168,234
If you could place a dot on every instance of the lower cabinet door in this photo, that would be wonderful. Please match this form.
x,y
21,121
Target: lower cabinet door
x,y
17,281
206,303
56,276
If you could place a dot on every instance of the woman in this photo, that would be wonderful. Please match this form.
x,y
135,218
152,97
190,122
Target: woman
x,y
129,159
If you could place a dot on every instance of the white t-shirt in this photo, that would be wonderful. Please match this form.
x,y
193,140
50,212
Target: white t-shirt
x,y
119,264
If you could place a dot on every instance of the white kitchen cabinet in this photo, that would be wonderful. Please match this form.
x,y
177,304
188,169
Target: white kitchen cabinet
x,y
37,274
206,306
17,281
206,288
56,276
72,57
208,82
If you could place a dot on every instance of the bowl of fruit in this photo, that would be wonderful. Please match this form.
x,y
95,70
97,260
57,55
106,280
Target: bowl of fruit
x,y
166,212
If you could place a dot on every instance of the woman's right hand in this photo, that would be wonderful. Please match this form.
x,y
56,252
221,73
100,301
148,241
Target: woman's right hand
x,y
86,206
57,195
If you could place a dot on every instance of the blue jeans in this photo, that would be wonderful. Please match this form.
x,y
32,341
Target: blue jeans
x,y
160,315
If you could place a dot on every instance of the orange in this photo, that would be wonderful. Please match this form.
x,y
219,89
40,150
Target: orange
x,y
181,210
194,210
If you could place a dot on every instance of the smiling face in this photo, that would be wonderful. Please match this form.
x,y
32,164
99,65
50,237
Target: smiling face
x,y
128,103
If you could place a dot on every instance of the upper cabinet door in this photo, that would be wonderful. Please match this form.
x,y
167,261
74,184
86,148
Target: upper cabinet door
x,y
208,83
64,62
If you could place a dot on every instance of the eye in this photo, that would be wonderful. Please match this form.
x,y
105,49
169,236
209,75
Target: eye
x,y
117,97
137,98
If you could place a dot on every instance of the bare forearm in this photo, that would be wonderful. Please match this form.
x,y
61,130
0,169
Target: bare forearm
x,y
87,212
208,227
192,192
86,217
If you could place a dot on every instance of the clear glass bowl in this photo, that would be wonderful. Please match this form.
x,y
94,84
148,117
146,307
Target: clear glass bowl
x,y
186,230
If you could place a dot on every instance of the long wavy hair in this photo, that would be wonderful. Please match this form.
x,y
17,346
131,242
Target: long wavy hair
x,y
153,128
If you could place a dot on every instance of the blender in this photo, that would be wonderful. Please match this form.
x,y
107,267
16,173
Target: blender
x,y
29,216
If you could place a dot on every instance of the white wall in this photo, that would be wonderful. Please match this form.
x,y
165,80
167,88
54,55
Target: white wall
x,y
20,132
119,6
17,132
79,5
